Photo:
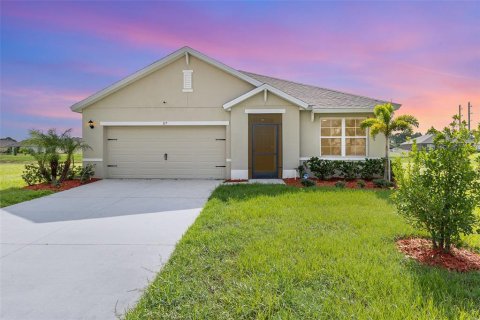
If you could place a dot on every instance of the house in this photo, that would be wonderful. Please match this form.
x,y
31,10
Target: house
x,y
423,142
190,116
9,145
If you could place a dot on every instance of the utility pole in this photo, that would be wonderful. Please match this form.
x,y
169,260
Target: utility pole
x,y
469,114
460,114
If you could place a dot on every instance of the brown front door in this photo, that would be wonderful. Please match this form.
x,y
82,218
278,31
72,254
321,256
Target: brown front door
x,y
265,146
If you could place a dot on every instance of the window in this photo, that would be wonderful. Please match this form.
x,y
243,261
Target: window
x,y
355,138
342,137
331,137
187,81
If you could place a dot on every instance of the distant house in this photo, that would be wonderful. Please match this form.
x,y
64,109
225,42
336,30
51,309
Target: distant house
x,y
9,145
423,142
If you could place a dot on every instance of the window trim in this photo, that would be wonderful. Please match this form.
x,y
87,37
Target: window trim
x,y
344,139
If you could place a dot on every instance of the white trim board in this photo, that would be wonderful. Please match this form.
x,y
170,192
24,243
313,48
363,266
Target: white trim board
x,y
163,123
264,111
156,66
271,89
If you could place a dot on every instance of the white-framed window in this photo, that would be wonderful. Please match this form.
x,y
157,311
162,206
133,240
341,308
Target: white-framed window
x,y
187,81
342,137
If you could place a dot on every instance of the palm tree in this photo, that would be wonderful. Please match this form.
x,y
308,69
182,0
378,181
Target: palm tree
x,y
46,153
384,122
69,146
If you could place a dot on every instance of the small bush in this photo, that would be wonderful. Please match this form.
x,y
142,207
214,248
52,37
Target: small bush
x,y
340,184
86,173
372,168
382,183
308,183
348,169
361,184
31,174
322,169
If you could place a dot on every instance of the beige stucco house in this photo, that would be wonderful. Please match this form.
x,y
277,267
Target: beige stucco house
x,y
190,116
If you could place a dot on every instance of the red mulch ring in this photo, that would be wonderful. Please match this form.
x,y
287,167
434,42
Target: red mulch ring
x,y
461,260
330,183
236,180
67,184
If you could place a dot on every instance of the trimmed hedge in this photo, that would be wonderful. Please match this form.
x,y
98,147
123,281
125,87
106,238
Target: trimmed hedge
x,y
348,169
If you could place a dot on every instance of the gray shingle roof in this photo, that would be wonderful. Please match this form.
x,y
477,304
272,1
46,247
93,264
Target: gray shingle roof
x,y
319,97
425,139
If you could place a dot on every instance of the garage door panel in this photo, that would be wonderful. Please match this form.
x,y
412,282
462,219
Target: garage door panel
x,y
193,152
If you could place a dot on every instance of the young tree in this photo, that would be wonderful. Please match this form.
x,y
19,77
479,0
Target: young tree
x,y
384,122
438,190
69,146
47,153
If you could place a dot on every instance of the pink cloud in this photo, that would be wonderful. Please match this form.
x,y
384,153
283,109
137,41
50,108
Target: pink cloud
x,y
46,102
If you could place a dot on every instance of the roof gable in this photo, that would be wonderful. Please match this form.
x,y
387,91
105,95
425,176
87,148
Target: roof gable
x,y
269,88
185,51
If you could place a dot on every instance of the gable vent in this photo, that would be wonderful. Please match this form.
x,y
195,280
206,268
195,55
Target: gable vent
x,y
187,81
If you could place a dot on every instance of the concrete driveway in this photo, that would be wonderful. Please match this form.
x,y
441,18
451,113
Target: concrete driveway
x,y
88,252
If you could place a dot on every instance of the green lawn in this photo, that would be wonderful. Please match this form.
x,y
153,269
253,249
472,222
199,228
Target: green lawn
x,y
11,183
277,252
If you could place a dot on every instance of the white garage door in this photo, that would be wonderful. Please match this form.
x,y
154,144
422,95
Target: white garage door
x,y
166,152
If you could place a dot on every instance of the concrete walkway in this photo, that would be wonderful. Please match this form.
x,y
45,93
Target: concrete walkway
x,y
88,252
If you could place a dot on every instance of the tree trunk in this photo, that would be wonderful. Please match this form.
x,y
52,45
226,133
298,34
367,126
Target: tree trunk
x,y
54,169
387,160
66,168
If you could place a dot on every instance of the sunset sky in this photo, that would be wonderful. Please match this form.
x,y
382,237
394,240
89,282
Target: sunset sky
x,y
424,55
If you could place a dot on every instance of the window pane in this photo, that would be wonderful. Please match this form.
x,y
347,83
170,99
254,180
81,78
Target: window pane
x,y
336,123
336,132
325,132
350,123
360,132
331,147
355,146
350,132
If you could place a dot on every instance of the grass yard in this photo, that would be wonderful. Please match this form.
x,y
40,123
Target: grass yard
x,y
11,182
276,252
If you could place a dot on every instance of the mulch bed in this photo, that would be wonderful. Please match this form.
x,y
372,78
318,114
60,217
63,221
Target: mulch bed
x,y
330,183
236,180
67,184
461,260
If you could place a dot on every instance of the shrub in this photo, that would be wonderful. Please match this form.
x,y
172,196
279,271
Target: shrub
x,y
439,189
348,169
301,170
372,168
322,169
382,183
361,184
48,145
340,184
308,183
31,174
86,173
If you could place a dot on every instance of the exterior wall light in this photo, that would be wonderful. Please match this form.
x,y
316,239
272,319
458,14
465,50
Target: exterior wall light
x,y
91,124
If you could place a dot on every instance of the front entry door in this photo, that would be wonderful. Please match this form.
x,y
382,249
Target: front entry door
x,y
265,149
